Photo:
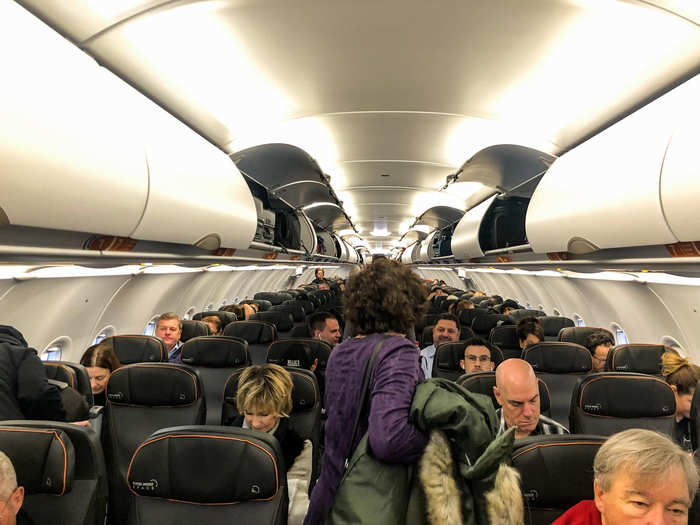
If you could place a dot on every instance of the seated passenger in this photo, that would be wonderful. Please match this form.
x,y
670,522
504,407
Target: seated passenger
x,y
264,399
477,357
100,361
683,376
214,324
518,394
529,332
324,325
599,344
508,306
641,477
446,329
169,329
457,308
11,495
436,291
324,286
319,276
241,311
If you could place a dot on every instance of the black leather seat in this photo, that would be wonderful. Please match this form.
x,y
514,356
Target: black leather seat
x,y
283,321
467,316
137,348
305,304
556,473
483,324
215,358
141,398
73,374
210,475
579,334
300,332
552,325
483,383
299,353
224,317
45,463
609,402
297,311
506,338
695,419
274,297
258,335
448,355
640,358
445,305
522,313
560,365
262,304
192,329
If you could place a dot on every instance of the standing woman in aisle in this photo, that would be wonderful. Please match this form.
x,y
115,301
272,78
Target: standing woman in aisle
x,y
382,302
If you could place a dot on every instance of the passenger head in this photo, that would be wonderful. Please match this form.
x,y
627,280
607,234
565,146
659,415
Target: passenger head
x,y
599,344
682,375
324,326
264,396
385,296
508,306
641,477
446,329
457,308
319,273
100,361
214,324
169,329
477,356
529,331
518,394
11,496
324,286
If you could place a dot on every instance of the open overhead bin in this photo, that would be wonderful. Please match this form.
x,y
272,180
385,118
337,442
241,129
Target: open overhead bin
x,y
630,185
439,217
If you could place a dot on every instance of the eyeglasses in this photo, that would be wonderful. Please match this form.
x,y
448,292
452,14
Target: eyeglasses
x,y
481,358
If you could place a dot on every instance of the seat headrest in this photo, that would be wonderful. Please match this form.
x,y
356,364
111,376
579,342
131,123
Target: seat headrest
x,y
522,313
624,395
483,324
151,384
263,305
504,337
273,297
305,394
483,383
215,352
254,332
448,355
640,358
299,353
552,325
44,459
191,328
300,331
282,320
207,465
306,306
137,348
60,372
558,358
224,317
297,311
579,334
556,471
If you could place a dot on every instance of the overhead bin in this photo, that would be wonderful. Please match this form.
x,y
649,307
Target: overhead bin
x,y
406,256
326,244
605,192
426,249
465,239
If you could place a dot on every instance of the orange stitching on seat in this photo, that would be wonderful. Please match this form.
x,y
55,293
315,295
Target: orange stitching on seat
x,y
229,438
71,372
158,365
560,443
639,377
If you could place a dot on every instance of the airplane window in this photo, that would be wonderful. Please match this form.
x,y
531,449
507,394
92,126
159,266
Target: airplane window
x,y
579,320
151,326
107,331
556,312
235,300
209,307
189,313
673,343
540,307
55,349
620,335
223,303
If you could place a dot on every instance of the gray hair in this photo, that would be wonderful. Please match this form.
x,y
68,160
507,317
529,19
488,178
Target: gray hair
x,y
644,453
8,478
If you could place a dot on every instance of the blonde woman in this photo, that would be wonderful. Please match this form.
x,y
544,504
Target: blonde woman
x,y
682,375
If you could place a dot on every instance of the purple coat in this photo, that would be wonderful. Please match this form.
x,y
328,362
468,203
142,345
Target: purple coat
x,y
391,438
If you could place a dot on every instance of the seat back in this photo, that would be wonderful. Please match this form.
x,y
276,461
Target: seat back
x,y
283,321
483,324
448,356
296,311
640,358
224,317
44,461
552,325
579,334
210,475
300,332
299,353
89,479
215,358
556,472
305,304
609,402
695,419
467,316
74,374
137,348
258,335
506,338
560,365
141,398
191,329
262,304
483,383
522,313
274,298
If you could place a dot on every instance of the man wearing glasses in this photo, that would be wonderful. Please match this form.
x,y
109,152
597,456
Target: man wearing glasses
x,y
11,496
599,344
477,357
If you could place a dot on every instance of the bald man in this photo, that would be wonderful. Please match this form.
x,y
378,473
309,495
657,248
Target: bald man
x,y
517,392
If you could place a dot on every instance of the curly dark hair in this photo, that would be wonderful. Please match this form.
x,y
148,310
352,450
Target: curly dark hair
x,y
385,296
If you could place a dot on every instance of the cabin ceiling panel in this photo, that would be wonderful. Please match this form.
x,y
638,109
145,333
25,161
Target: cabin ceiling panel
x,y
412,175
